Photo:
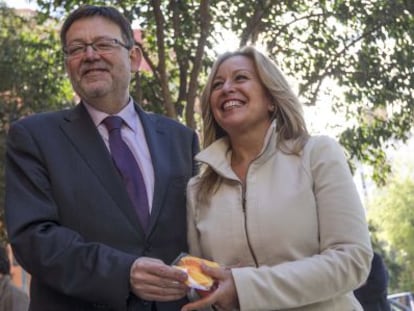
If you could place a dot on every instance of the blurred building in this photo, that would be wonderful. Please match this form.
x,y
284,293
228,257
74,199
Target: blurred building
x,y
18,275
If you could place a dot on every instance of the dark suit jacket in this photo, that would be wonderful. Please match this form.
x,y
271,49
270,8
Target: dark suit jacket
x,y
68,215
373,294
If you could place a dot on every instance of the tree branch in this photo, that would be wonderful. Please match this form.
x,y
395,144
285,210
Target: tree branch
x,y
162,68
205,24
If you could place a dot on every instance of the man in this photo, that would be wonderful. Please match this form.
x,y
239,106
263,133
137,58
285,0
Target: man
x,y
70,218
11,297
373,293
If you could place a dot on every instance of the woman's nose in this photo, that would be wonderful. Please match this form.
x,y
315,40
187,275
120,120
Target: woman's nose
x,y
228,86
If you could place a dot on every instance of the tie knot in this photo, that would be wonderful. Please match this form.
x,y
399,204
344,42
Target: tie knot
x,y
112,123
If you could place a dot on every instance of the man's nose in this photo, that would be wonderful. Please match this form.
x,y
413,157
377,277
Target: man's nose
x,y
90,52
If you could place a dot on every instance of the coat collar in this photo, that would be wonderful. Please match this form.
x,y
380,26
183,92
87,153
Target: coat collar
x,y
218,154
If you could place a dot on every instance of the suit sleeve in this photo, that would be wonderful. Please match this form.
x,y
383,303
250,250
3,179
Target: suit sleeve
x,y
58,256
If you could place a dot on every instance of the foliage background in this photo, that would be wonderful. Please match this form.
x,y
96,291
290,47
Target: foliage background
x,y
356,54
391,213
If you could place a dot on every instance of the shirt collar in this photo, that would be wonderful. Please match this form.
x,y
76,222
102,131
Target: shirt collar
x,y
128,114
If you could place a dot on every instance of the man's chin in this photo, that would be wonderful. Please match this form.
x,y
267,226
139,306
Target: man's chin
x,y
94,91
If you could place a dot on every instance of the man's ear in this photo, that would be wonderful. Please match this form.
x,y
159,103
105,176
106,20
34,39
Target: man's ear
x,y
136,57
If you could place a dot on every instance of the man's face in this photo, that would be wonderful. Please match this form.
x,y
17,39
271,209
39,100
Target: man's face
x,y
99,77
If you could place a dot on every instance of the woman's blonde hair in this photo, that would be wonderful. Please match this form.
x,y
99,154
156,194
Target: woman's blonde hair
x,y
288,112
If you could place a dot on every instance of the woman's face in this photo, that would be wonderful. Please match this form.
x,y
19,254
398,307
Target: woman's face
x,y
238,100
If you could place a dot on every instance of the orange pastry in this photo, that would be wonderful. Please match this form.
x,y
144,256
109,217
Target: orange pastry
x,y
196,278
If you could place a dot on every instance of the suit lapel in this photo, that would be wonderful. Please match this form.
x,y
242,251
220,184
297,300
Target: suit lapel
x,y
80,129
158,144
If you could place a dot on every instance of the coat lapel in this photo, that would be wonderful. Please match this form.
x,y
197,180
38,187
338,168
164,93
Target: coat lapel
x,y
159,147
81,130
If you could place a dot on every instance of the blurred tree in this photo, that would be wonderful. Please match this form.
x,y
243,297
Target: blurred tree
x,y
175,37
357,53
31,74
388,253
391,212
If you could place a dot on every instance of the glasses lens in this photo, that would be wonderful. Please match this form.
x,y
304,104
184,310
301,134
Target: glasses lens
x,y
104,45
101,46
74,50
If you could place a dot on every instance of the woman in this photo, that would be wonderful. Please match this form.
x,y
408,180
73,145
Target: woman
x,y
275,206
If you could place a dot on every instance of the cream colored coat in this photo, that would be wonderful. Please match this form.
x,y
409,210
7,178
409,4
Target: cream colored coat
x,y
301,239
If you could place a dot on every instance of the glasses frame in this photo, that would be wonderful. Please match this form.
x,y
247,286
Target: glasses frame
x,y
92,44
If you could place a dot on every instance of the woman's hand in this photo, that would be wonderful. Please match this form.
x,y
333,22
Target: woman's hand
x,y
223,298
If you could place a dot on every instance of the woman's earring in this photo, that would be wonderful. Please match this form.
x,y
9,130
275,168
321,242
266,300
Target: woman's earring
x,y
272,111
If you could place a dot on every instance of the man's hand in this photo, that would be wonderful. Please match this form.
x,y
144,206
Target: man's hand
x,y
153,280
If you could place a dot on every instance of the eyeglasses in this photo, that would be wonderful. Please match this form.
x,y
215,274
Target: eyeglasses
x,y
100,46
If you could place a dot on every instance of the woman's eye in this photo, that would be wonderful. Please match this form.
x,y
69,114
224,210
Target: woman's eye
x,y
240,77
216,85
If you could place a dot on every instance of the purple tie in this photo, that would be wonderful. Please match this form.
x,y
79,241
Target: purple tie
x,y
128,168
